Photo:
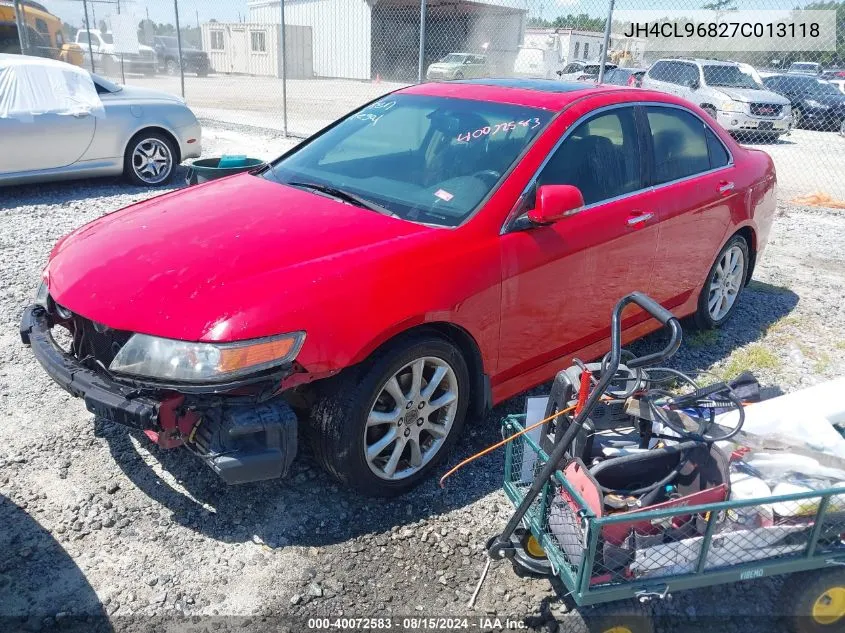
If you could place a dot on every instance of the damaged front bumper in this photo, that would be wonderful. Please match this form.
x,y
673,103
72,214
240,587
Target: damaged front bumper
x,y
241,438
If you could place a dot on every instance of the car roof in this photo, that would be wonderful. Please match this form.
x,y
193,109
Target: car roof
x,y
702,62
549,94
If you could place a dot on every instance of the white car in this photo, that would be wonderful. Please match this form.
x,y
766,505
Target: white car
x,y
729,95
583,71
58,121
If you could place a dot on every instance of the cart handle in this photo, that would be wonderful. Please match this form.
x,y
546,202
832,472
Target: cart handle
x,y
498,547
658,312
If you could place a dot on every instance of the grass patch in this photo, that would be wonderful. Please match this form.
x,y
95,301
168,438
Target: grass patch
x,y
752,358
840,345
822,363
703,338
761,286
783,323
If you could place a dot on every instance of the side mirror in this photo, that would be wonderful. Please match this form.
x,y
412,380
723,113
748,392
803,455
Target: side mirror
x,y
555,202
694,84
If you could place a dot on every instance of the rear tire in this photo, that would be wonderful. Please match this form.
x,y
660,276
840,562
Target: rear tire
x,y
459,75
150,159
815,601
365,437
626,616
724,285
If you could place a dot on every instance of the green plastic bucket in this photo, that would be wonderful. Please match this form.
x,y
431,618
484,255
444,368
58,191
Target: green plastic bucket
x,y
207,169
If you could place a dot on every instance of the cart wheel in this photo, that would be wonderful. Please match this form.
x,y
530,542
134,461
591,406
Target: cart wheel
x,y
626,616
530,559
815,601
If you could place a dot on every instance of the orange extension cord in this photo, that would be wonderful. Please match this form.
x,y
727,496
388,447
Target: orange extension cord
x,y
492,448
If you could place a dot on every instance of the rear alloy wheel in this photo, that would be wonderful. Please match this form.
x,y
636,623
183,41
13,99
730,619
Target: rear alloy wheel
x,y
724,284
383,428
150,159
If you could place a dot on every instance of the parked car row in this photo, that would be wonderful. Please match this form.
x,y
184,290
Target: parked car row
x,y
163,55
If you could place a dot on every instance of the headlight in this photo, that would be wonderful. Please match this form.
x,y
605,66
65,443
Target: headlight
x,y
815,104
185,361
733,106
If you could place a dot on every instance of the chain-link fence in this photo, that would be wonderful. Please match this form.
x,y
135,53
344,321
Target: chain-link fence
x,y
772,75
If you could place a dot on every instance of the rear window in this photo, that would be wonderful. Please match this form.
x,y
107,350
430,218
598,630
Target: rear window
x,y
680,144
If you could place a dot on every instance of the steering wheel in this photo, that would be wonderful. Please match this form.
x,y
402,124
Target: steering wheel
x,y
484,174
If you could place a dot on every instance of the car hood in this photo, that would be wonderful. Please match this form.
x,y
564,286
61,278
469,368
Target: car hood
x,y
232,259
132,93
753,95
828,100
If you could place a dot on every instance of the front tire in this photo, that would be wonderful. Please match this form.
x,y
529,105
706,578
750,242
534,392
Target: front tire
x,y
150,159
724,285
383,427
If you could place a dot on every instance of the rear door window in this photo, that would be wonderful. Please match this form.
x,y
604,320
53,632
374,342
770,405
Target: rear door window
x,y
719,156
679,143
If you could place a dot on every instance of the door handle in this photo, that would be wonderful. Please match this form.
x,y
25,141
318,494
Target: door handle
x,y
725,187
639,219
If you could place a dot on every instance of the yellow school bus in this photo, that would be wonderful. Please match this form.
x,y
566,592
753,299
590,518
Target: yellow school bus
x,y
44,35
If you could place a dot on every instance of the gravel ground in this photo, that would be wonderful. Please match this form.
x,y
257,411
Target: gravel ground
x,y
98,521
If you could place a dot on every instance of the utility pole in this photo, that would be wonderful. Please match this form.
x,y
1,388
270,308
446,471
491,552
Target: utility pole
x,y
179,44
88,35
603,56
122,73
23,36
284,68
421,69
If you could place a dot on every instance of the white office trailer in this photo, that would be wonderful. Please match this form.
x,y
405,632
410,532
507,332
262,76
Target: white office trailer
x,y
366,39
255,49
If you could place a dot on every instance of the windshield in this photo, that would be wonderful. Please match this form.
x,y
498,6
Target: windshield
x,y
728,77
823,88
108,38
426,159
102,82
454,58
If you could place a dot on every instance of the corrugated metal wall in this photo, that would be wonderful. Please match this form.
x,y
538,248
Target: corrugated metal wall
x,y
340,32
238,57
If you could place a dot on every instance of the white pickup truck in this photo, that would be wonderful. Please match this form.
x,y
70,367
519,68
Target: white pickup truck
x,y
106,61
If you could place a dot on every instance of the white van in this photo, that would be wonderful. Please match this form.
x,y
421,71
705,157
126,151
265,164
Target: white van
x,y
536,63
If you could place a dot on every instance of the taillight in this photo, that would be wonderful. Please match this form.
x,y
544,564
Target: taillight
x,y
632,81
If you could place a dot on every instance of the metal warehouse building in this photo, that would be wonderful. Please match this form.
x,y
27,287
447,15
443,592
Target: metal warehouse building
x,y
363,39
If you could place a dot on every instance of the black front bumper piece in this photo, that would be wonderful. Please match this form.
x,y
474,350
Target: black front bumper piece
x,y
103,397
241,443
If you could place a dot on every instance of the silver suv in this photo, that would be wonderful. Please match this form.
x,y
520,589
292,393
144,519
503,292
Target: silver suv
x,y
727,93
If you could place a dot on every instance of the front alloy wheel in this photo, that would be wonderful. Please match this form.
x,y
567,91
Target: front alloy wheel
x,y
383,426
411,418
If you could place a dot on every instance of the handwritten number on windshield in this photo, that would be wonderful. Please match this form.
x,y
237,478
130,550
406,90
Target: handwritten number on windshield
x,y
466,137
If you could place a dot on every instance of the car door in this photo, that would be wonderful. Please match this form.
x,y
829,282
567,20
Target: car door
x,y
685,79
696,193
560,282
42,140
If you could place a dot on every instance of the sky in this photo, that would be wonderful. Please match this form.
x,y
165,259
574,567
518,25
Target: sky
x,y
236,10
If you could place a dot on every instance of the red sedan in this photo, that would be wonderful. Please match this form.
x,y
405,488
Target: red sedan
x,y
431,254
